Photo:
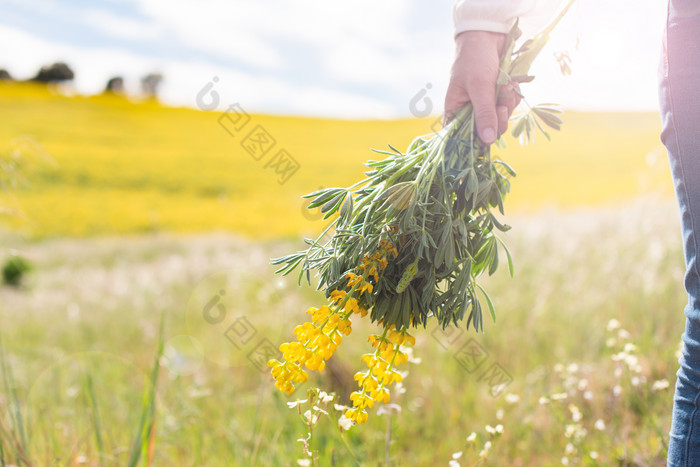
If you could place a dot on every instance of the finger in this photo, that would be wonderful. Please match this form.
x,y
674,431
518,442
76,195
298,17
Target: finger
x,y
483,97
455,98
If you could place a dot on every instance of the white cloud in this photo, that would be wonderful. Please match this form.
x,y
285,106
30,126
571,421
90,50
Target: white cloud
x,y
121,27
228,29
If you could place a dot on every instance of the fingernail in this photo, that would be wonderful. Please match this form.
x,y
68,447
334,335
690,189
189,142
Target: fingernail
x,y
488,135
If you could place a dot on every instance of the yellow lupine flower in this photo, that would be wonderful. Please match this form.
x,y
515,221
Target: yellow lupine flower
x,y
365,286
381,372
338,295
353,278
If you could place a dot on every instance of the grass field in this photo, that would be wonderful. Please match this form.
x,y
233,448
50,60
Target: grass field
x,y
93,308
595,238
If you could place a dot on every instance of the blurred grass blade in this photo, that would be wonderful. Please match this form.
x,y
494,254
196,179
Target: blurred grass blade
x,y
15,412
92,400
144,441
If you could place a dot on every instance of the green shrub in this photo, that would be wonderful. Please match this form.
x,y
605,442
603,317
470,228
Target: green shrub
x,y
14,270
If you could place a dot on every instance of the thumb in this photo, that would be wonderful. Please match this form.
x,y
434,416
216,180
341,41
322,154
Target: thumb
x,y
483,98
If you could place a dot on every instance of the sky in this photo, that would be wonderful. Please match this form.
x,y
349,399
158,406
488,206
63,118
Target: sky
x,y
321,58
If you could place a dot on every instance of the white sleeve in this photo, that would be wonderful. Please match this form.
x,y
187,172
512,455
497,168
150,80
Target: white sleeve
x,y
488,15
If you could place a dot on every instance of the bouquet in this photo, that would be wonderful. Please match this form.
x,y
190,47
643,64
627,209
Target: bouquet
x,y
408,243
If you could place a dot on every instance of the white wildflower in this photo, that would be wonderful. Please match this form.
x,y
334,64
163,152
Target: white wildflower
x,y
599,424
291,405
575,413
660,385
313,418
512,398
345,423
613,324
388,408
485,452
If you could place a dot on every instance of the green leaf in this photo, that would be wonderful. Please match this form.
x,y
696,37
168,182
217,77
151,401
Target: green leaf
x,y
492,309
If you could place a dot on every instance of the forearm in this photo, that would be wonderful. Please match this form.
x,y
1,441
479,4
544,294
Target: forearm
x,y
488,15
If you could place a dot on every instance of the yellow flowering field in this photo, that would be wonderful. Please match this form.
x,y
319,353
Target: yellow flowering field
x,y
122,167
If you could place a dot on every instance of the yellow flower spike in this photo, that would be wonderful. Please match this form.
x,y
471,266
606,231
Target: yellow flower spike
x,y
324,340
401,358
312,364
360,375
366,286
356,397
373,273
410,339
353,278
351,305
338,295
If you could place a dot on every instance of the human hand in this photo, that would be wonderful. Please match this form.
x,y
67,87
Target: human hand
x,y
473,79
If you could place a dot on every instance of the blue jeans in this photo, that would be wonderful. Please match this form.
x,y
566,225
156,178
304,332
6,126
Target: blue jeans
x,y
679,93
